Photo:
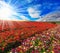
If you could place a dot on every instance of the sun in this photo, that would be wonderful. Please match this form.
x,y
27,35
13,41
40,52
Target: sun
x,y
11,12
5,11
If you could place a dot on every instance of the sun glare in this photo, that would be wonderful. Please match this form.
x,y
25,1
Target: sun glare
x,y
5,11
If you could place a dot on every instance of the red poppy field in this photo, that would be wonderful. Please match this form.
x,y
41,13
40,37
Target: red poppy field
x,y
29,37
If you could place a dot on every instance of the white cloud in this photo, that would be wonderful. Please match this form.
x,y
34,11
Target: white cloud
x,y
29,1
34,13
53,16
24,18
39,19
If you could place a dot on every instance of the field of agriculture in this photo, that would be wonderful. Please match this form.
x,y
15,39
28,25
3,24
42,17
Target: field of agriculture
x,y
29,37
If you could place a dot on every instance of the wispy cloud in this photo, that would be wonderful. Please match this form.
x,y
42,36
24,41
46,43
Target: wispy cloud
x,y
29,1
34,12
53,16
24,18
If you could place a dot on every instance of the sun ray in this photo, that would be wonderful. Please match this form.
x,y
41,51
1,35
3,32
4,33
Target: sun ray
x,y
16,13
11,25
6,11
3,25
10,1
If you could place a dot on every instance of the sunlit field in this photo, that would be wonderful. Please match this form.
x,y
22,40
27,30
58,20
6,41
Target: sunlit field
x,y
29,37
29,26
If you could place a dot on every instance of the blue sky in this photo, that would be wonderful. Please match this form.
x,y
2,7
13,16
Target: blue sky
x,y
33,10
